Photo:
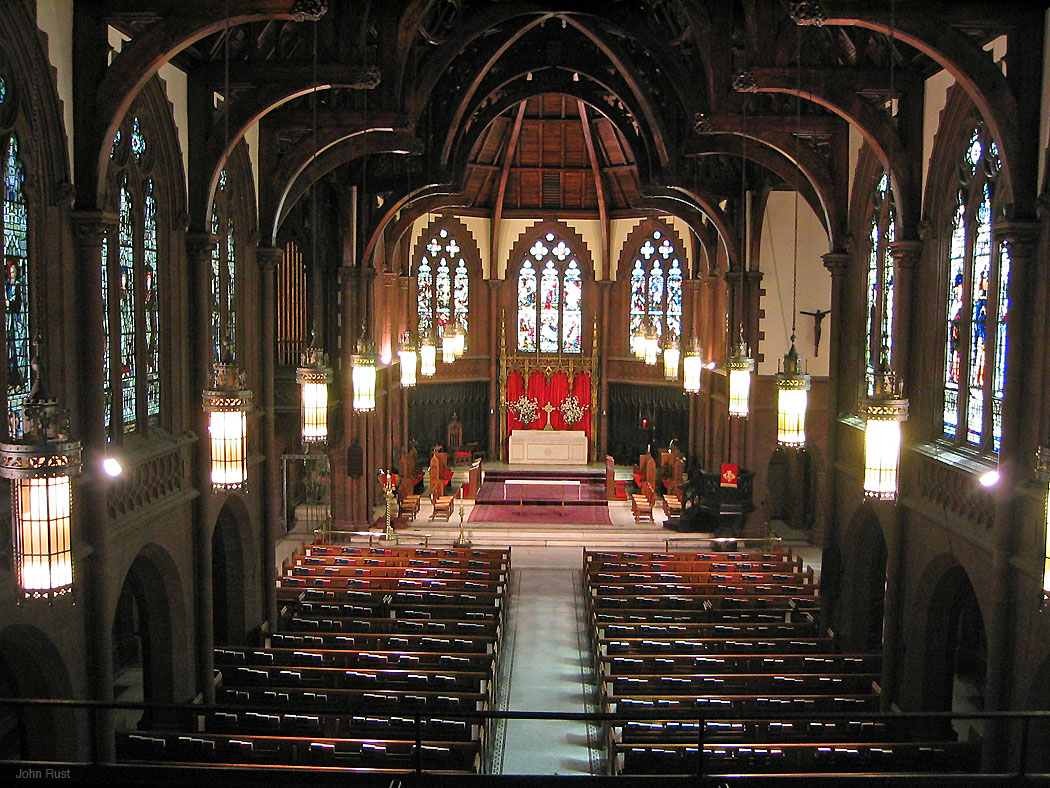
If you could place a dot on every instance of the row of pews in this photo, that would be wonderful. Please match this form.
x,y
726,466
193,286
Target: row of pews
x,y
377,649
716,664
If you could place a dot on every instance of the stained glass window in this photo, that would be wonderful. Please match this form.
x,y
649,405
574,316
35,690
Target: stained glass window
x,y
151,311
223,273
126,300
656,288
977,304
443,281
553,321
131,263
879,317
16,292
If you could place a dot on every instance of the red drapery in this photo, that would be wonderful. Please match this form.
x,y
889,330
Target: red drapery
x,y
554,392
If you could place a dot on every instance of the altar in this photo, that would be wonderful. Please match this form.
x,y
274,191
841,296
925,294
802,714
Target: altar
x,y
547,447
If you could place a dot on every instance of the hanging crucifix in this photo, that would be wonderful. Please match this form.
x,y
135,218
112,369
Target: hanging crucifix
x,y
818,318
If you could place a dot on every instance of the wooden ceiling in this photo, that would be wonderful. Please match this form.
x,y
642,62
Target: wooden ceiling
x,y
551,153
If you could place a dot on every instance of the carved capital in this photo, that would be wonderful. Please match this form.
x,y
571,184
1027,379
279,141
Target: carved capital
x,y
308,10
199,247
837,263
268,257
65,194
906,254
90,227
405,282
390,279
1020,238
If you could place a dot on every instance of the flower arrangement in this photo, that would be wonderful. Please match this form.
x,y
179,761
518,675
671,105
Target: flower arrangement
x,y
525,409
572,410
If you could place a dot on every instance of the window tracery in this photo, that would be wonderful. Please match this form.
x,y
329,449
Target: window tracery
x,y
879,319
656,288
550,298
443,280
977,303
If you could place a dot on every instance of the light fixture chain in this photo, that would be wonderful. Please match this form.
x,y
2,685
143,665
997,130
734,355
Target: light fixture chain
x,y
798,168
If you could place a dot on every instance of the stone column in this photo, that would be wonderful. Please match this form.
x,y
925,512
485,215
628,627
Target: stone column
x,y
605,288
1015,468
90,229
268,257
199,248
906,256
837,264
496,349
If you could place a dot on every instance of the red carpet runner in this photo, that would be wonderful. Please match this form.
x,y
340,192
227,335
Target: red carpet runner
x,y
548,515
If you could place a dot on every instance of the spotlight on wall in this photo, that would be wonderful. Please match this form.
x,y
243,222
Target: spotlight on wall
x,y
989,478
112,467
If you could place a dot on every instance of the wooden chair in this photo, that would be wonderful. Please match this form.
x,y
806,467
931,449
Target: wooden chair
x,y
672,505
410,506
642,504
442,506
437,475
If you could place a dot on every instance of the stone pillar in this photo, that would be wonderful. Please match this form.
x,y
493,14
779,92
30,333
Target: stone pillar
x,y
837,264
1015,468
90,229
268,257
906,256
199,248
605,288
496,349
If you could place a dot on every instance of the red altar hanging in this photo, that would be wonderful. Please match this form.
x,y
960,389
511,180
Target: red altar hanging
x,y
549,391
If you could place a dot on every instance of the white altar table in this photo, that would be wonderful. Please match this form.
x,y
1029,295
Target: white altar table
x,y
547,447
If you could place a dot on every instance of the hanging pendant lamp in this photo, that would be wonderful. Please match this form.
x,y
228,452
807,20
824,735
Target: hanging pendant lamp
x,y
740,366
883,412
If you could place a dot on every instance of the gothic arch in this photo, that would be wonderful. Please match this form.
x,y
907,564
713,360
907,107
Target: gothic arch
x,y
153,578
35,669
620,334
230,542
938,600
583,256
863,581
1038,699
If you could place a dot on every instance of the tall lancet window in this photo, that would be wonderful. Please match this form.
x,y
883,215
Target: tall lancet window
x,y
130,291
879,325
223,273
16,283
656,288
550,298
977,303
443,284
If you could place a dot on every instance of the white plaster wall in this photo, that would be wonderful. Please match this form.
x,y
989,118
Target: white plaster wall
x,y
174,88
619,231
251,138
481,228
814,283
590,230
856,142
509,230
937,94
55,18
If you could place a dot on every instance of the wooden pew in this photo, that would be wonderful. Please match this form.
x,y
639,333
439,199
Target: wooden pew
x,y
250,750
797,757
616,646
389,641
740,663
352,658
697,684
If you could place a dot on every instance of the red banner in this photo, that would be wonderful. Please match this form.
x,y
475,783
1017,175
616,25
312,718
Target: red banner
x,y
730,474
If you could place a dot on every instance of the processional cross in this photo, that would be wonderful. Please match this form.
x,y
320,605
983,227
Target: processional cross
x,y
548,409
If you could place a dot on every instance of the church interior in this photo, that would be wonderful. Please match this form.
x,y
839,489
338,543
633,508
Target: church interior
x,y
419,391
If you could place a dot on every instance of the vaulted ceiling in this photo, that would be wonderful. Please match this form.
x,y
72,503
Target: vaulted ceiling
x,y
590,106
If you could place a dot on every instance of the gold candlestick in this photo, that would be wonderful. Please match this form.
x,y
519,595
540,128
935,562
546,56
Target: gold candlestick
x,y
387,480
461,540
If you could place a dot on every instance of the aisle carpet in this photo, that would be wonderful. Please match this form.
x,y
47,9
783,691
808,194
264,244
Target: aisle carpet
x,y
554,515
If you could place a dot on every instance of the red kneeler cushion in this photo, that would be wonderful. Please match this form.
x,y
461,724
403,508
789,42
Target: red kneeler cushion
x,y
461,455
620,489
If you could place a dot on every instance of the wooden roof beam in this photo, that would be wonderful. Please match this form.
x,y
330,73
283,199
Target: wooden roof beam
x,y
501,189
603,208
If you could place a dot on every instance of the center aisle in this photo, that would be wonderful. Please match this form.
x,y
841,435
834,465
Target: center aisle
x,y
549,670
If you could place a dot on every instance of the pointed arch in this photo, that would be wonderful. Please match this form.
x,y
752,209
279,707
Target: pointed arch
x,y
447,265
550,275
651,274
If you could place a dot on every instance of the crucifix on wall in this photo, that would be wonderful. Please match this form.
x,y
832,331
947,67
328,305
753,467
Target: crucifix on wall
x,y
818,318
